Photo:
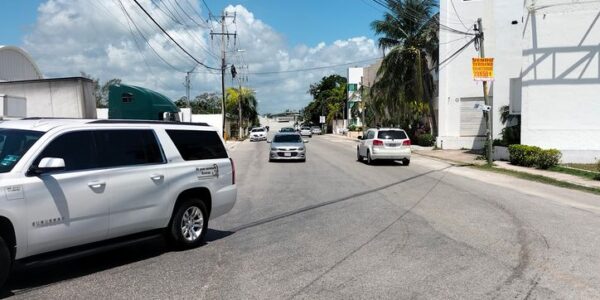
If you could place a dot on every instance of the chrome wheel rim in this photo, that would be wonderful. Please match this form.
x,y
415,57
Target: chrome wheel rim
x,y
192,223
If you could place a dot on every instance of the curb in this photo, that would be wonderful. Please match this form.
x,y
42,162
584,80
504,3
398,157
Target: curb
x,y
449,161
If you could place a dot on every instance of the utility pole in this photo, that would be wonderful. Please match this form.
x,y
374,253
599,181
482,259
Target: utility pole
x,y
223,35
187,90
486,113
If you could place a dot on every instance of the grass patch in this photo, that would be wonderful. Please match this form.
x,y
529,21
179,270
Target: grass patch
x,y
577,172
587,167
539,178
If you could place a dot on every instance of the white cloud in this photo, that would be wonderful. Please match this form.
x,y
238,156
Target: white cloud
x,y
94,36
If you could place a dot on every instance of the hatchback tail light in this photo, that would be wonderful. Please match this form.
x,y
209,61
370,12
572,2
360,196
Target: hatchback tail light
x,y
406,143
232,171
377,143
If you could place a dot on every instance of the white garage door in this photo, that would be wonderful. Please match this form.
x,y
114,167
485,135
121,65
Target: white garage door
x,y
472,122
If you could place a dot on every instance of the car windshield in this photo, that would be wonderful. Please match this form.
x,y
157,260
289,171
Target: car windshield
x,y
13,144
391,135
285,138
258,130
305,128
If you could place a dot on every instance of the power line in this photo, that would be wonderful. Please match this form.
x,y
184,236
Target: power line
x,y
189,31
146,39
210,14
458,16
314,68
174,41
415,18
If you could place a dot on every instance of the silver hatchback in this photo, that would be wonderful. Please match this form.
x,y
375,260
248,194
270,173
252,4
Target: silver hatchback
x,y
287,146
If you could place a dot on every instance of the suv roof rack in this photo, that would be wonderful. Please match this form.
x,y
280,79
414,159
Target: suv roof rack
x,y
114,121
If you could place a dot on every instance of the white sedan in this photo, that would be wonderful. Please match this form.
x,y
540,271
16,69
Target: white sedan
x,y
258,134
305,131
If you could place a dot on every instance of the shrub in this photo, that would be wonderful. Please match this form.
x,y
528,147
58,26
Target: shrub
x,y
548,158
352,128
500,142
532,156
425,140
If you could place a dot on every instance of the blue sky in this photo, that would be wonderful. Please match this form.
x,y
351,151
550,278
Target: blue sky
x,y
66,37
306,22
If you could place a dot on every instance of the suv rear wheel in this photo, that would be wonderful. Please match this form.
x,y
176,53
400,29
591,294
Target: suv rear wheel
x,y
5,262
358,156
369,160
189,224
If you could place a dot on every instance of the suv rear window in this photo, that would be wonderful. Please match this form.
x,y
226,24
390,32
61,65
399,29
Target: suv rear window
x,y
391,135
197,145
127,147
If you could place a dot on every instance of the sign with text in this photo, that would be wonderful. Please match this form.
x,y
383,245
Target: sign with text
x,y
483,69
322,119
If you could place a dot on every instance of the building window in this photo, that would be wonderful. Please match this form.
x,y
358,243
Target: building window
x,y
127,97
352,87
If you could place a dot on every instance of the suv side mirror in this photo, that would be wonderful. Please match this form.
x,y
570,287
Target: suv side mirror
x,y
48,164
268,141
305,141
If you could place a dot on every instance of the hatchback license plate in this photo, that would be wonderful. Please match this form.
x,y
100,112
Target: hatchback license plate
x,y
287,154
392,145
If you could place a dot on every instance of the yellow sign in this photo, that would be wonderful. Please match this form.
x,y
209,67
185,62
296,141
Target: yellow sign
x,y
483,69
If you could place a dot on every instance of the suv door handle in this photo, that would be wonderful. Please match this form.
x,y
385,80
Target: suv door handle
x,y
96,184
156,177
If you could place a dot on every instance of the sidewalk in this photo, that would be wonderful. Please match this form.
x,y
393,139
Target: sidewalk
x,y
463,157
230,145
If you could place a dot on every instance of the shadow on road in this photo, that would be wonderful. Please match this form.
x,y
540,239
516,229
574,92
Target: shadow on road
x,y
24,279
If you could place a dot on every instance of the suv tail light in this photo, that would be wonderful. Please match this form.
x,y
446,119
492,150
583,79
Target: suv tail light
x,y
377,143
406,143
232,171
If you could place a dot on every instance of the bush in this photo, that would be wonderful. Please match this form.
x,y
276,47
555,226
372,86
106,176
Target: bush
x,y
532,156
425,140
499,142
548,158
352,128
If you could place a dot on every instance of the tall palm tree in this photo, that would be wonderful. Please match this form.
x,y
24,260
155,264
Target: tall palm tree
x,y
410,35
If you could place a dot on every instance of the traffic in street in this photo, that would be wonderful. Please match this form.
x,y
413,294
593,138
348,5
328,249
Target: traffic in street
x,y
336,228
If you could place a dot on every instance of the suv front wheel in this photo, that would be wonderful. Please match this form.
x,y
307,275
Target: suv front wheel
x,y
189,224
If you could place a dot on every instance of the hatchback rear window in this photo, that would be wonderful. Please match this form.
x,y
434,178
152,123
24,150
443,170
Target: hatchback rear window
x,y
198,145
391,135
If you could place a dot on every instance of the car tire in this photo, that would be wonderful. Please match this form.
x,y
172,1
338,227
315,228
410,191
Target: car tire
x,y
358,157
369,160
5,262
187,216
406,161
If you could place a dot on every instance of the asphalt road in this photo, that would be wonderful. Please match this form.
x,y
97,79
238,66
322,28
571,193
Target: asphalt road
x,y
335,228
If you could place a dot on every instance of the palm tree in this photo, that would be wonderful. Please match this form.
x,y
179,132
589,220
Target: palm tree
x,y
246,100
410,35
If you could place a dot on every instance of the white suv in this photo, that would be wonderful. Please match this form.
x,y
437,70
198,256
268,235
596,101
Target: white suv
x,y
384,144
67,183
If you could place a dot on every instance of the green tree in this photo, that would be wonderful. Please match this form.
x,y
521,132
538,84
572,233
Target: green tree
x,y
410,34
329,96
249,104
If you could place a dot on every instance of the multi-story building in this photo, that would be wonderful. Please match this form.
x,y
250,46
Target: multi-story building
x,y
547,69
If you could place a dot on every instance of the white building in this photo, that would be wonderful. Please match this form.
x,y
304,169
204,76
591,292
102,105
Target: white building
x,y
355,78
16,64
547,67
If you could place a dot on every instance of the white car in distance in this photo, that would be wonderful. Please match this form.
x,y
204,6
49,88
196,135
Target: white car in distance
x,y
258,134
